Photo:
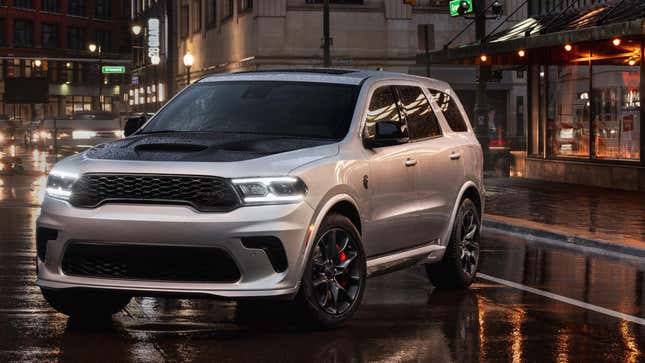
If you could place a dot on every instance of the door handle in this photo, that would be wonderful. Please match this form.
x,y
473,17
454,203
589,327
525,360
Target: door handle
x,y
410,162
455,156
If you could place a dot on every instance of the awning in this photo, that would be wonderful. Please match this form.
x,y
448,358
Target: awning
x,y
624,18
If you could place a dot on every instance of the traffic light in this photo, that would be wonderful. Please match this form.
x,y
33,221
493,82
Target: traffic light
x,y
464,7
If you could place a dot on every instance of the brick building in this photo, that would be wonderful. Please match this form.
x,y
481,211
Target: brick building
x,y
50,38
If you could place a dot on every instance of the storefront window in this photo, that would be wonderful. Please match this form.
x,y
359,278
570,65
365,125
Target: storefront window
x,y
616,110
568,110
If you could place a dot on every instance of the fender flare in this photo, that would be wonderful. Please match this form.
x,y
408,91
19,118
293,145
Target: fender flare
x,y
319,214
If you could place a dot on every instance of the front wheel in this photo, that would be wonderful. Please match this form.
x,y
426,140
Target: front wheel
x,y
86,305
459,265
334,278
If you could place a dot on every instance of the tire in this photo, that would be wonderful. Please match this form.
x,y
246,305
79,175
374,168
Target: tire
x,y
459,265
333,281
86,305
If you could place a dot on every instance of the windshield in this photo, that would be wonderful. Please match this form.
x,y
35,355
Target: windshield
x,y
299,109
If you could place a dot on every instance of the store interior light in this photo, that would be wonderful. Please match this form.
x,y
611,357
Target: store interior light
x,y
568,47
632,62
38,63
616,41
521,53
483,58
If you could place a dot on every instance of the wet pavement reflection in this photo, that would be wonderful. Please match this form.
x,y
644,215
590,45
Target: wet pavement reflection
x,y
402,319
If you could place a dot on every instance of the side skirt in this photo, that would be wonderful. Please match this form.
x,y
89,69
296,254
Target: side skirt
x,y
429,253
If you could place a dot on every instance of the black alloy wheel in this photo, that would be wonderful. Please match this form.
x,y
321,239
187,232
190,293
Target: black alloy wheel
x,y
335,272
334,278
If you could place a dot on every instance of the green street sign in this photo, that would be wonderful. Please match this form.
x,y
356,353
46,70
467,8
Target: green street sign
x,y
454,7
113,69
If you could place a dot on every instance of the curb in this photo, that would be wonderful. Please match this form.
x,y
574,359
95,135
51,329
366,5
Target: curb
x,y
563,238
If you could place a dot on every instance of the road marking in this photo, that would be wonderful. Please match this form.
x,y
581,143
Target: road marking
x,y
564,299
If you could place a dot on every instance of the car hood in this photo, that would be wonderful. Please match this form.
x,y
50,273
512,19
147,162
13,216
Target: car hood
x,y
230,156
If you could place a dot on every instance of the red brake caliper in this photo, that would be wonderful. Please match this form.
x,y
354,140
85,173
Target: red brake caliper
x,y
342,259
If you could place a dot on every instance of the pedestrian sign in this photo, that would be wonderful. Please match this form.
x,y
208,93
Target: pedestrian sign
x,y
456,4
113,69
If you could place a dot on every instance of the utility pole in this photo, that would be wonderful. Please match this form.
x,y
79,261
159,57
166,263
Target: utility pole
x,y
484,70
326,38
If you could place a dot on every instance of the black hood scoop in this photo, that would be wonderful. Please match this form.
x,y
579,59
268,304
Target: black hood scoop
x,y
206,147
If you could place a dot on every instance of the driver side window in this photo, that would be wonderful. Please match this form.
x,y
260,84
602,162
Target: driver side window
x,y
382,107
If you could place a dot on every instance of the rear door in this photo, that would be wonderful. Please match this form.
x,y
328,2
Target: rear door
x,y
393,197
439,174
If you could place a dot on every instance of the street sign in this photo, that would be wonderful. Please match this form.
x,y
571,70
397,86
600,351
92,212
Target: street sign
x,y
113,69
454,7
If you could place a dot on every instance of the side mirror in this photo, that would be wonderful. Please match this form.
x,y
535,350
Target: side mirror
x,y
133,124
387,133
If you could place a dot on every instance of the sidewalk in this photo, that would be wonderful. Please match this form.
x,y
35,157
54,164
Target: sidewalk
x,y
609,219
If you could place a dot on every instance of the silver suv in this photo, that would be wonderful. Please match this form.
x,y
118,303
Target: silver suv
x,y
285,184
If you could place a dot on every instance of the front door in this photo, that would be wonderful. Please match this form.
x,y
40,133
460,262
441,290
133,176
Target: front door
x,y
393,195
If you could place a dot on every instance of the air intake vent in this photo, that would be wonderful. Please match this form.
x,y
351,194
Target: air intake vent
x,y
154,263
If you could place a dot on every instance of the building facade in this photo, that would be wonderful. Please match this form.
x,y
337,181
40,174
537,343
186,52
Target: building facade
x,y
234,35
153,80
49,39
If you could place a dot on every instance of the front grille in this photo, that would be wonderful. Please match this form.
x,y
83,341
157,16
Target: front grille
x,y
153,263
204,193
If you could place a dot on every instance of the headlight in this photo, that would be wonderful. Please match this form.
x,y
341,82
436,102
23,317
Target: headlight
x,y
59,184
276,190
83,134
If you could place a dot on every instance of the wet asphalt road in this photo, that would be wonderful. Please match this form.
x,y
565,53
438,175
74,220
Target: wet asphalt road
x,y
402,319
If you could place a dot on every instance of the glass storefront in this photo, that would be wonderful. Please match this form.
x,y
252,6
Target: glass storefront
x,y
592,105
616,109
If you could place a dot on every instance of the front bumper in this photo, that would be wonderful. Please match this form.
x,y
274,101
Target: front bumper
x,y
173,225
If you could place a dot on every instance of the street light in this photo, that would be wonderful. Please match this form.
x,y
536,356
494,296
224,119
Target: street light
x,y
97,48
136,29
189,60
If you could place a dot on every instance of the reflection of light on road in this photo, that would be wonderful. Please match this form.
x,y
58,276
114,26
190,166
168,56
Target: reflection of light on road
x,y
12,151
632,353
517,318
562,346
40,185
40,160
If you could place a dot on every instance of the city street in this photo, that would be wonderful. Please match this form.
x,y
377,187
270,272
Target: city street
x,y
532,302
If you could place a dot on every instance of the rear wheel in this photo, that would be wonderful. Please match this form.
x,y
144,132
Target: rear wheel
x,y
87,305
459,265
334,278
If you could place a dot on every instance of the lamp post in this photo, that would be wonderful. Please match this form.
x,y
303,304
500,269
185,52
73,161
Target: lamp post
x,y
97,49
189,60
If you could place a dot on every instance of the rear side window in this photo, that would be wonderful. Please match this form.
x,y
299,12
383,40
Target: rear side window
x,y
420,117
450,110
382,108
